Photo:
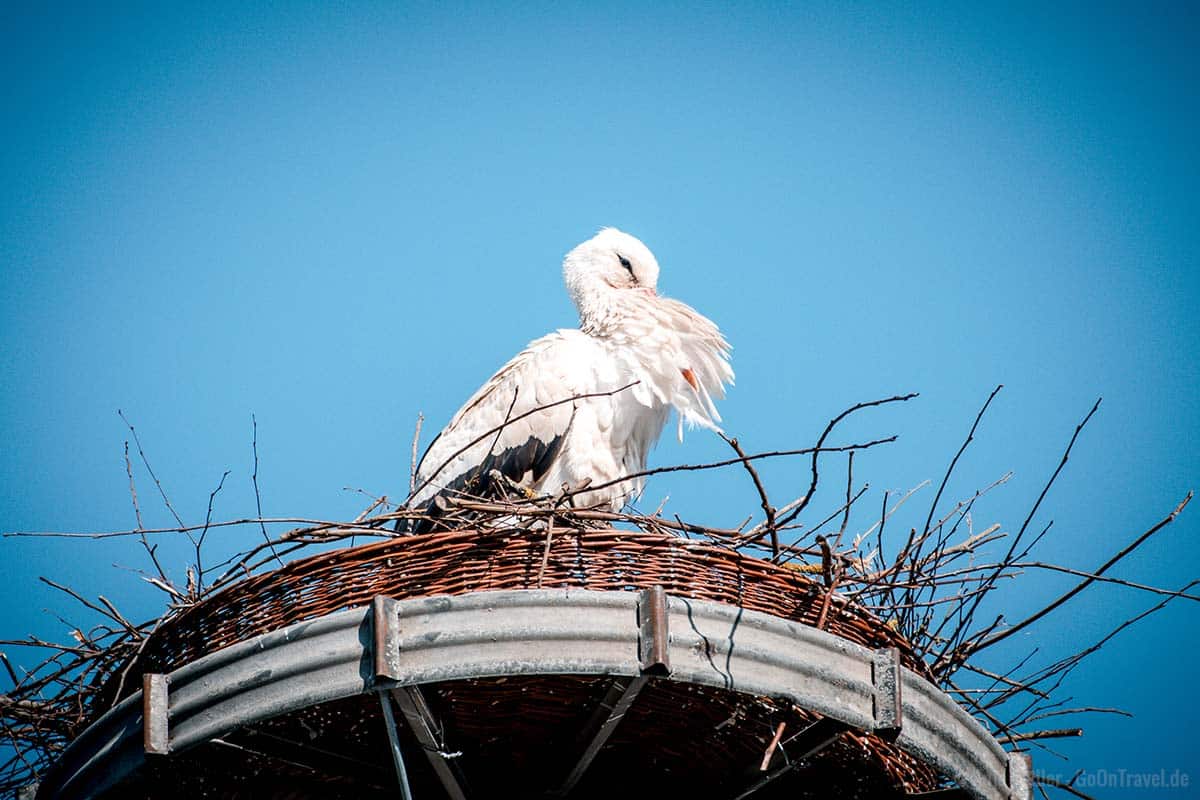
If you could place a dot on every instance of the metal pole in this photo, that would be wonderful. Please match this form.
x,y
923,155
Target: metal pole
x,y
389,719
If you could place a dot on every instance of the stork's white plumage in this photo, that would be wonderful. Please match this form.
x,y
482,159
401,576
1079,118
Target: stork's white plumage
x,y
673,356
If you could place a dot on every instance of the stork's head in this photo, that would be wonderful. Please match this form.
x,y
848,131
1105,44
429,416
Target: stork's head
x,y
611,261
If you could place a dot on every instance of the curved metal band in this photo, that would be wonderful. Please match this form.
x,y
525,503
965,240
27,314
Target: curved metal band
x,y
538,632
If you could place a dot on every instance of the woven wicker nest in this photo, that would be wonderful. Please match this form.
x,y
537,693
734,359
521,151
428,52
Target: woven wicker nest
x,y
515,734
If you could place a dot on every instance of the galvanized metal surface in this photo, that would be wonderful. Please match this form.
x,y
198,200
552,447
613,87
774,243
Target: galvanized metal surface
x,y
542,632
941,732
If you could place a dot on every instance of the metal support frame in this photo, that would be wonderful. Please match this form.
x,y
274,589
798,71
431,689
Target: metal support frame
x,y
654,658
806,744
389,719
385,638
604,720
401,645
431,736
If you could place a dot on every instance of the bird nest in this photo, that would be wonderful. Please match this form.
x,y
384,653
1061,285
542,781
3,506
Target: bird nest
x,y
462,561
919,592
683,734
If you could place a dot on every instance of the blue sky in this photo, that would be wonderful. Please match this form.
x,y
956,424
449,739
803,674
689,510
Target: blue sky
x,y
334,218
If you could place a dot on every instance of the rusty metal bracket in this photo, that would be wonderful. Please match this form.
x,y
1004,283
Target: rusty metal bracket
x,y
654,641
431,736
156,739
889,706
385,629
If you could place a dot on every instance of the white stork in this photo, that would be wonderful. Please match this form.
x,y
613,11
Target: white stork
x,y
635,354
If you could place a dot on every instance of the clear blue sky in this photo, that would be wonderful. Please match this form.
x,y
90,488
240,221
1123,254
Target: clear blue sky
x,y
333,218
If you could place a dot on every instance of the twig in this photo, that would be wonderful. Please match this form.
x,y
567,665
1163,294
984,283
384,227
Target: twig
x,y
137,512
1081,710
546,551
950,470
832,586
1066,787
812,486
150,549
204,532
1103,579
1031,735
849,489
233,523
257,494
943,660
770,751
754,457
146,462
768,509
11,672
997,637
412,472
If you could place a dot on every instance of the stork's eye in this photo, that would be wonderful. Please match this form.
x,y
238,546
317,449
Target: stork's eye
x,y
625,263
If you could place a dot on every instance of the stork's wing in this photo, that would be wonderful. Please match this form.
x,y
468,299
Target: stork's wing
x,y
516,423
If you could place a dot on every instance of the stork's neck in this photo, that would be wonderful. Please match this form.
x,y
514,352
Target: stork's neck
x,y
604,311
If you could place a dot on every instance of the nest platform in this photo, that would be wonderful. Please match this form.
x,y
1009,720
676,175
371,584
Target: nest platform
x,y
567,663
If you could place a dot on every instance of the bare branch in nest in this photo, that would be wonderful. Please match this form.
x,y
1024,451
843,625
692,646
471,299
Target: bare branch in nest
x,y
768,509
1058,733
997,637
107,611
943,661
1069,788
257,493
146,463
12,674
149,548
816,451
849,488
954,461
412,472
1056,672
233,523
742,460
928,588
795,549
199,542
1142,587
1081,710
137,511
